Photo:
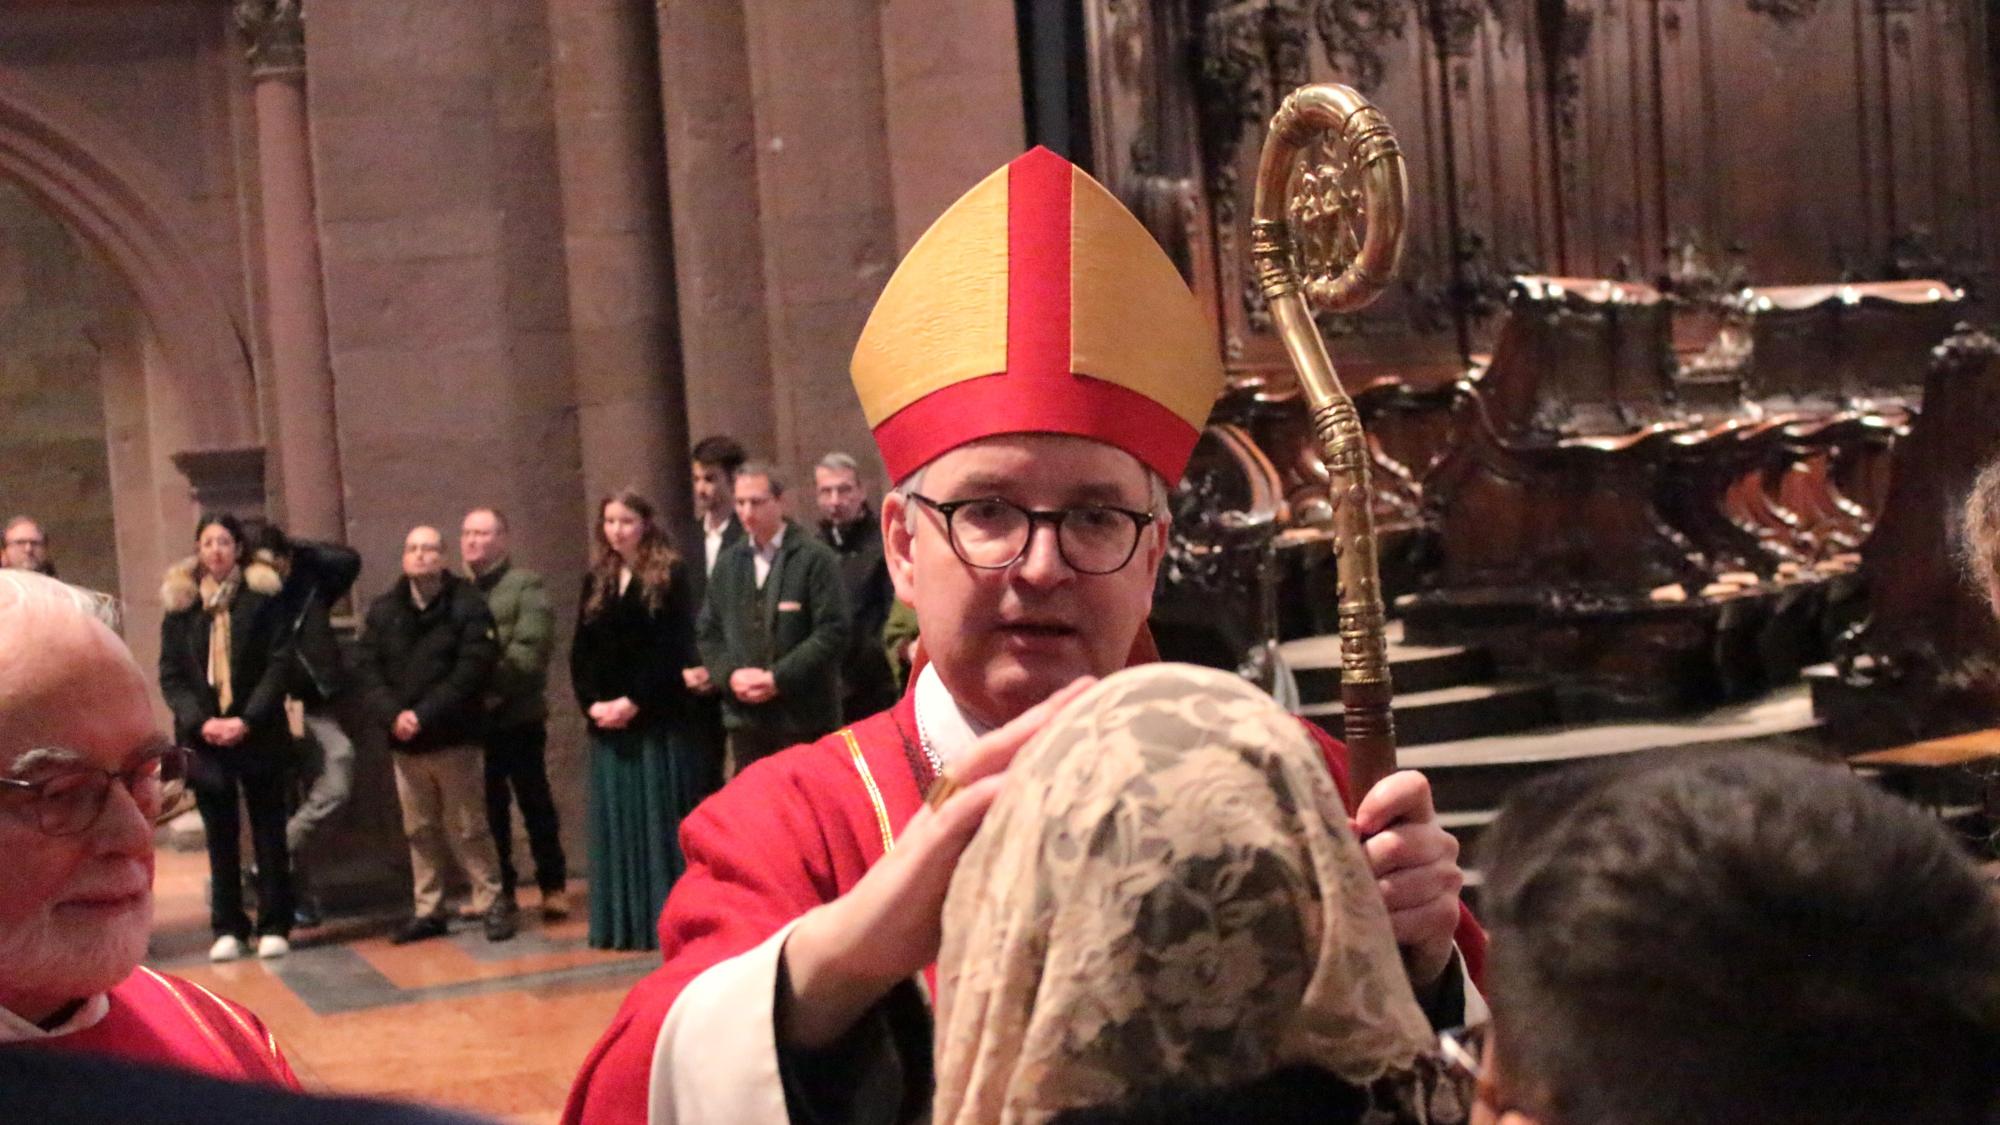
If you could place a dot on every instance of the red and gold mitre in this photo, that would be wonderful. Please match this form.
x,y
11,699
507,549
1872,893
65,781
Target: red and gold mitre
x,y
1037,304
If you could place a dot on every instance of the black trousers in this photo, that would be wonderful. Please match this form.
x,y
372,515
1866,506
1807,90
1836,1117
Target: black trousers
x,y
516,760
260,775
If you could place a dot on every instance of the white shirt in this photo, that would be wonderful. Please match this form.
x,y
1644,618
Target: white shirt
x,y
14,1029
711,540
941,723
766,555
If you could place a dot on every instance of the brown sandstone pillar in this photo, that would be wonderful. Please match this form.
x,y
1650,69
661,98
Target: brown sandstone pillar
x,y
630,403
300,377
709,122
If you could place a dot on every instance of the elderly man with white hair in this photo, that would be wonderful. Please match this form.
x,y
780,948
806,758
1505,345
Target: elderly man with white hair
x,y
84,775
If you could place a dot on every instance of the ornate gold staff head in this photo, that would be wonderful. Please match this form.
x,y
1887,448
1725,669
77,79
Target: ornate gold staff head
x,y
1326,231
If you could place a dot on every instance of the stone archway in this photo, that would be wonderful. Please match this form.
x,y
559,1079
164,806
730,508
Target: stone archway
x,y
174,359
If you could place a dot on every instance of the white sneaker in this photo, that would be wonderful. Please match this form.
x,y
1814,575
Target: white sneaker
x,y
271,945
226,948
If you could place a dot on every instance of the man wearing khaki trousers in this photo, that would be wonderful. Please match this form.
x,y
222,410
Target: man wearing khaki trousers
x,y
427,651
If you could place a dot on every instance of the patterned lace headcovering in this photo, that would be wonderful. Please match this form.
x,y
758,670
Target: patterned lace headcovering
x,y
1167,890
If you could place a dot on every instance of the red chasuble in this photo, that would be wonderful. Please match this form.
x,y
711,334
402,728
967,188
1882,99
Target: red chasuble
x,y
790,833
166,1021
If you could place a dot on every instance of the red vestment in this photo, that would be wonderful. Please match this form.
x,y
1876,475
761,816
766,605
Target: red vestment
x,y
790,833
166,1021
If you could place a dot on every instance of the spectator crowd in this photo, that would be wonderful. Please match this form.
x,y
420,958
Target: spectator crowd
x,y
697,651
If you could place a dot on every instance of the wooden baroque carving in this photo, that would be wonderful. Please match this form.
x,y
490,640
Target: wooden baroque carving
x,y
1353,33
1455,25
1784,12
276,30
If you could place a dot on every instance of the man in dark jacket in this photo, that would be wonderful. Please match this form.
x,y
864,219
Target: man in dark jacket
x,y
427,652
517,708
714,528
848,525
773,627
316,575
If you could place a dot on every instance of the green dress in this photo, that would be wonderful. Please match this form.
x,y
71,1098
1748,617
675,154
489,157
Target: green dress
x,y
642,782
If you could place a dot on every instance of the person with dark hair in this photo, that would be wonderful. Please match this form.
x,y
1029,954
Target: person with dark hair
x,y
26,547
714,462
1166,897
774,627
223,672
427,653
847,523
316,575
630,664
1979,533
1735,937
67,1088
516,733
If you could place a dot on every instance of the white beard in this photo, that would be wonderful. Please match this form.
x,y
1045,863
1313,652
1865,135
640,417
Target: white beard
x,y
46,957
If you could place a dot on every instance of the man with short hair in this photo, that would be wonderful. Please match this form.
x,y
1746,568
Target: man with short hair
x,y
516,732
715,528
427,651
1036,371
1735,937
84,776
713,463
848,525
773,626
27,547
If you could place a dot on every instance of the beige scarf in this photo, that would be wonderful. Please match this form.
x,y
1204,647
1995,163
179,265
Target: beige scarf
x,y
215,600
1167,890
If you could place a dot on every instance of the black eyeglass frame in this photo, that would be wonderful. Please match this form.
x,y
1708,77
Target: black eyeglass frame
x,y
1052,516
171,763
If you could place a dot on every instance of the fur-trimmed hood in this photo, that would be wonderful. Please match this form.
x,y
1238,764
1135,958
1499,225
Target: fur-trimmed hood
x,y
180,589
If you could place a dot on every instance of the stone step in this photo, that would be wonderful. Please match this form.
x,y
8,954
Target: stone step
x,y
1315,663
1472,775
1459,712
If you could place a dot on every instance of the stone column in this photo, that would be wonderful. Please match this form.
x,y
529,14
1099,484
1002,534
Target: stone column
x,y
709,121
623,320
301,378
827,212
225,480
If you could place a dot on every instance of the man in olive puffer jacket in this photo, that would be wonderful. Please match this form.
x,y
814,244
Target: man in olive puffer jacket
x,y
517,707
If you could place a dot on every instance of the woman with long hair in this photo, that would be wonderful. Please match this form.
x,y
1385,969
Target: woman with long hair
x,y
222,671
634,636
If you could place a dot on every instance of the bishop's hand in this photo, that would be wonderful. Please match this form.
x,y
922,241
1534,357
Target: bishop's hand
x,y
846,955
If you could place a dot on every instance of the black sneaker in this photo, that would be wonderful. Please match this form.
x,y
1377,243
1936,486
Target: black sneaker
x,y
421,928
500,921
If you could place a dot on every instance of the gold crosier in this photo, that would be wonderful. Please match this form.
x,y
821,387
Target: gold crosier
x,y
1327,232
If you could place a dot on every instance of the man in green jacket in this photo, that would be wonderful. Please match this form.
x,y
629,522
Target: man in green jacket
x,y
516,734
773,626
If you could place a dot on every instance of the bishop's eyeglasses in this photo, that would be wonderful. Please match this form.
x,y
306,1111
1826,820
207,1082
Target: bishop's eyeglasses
x,y
993,534
71,798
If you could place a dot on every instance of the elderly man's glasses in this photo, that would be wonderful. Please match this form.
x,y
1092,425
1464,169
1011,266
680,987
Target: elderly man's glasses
x,y
993,534
70,800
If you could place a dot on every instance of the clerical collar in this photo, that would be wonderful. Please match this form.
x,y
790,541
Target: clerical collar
x,y
14,1029
941,724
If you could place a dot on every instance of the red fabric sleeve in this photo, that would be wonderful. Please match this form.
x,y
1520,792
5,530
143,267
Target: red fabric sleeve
x,y
1470,936
759,854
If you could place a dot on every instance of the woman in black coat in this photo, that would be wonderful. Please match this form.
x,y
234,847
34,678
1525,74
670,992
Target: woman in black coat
x,y
648,762
222,671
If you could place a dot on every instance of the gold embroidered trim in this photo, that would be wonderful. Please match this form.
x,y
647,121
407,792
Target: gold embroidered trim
x,y
874,792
